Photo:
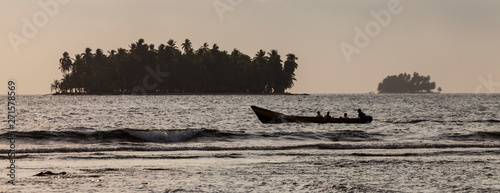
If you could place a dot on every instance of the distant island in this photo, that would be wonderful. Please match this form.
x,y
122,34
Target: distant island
x,y
145,69
405,83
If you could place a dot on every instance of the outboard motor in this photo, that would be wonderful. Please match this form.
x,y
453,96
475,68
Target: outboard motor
x,y
368,119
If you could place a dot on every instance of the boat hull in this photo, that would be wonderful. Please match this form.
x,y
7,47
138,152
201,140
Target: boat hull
x,y
267,116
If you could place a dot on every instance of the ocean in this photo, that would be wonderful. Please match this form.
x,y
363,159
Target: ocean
x,y
215,143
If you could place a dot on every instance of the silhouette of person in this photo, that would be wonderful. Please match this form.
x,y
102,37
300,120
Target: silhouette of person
x,y
345,116
328,115
318,114
361,114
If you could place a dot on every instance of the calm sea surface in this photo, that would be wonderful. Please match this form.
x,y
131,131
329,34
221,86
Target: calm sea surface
x,y
416,143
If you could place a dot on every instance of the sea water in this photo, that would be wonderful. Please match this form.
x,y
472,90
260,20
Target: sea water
x,y
215,143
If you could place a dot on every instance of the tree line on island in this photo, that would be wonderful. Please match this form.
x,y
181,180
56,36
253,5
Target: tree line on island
x,y
406,83
167,69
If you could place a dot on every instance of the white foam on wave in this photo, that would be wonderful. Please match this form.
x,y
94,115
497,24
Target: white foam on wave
x,y
164,136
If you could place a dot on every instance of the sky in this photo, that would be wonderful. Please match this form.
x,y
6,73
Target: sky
x,y
342,46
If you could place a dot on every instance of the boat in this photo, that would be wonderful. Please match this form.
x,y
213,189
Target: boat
x,y
267,116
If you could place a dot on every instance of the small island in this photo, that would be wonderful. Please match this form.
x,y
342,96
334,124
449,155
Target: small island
x,y
406,83
145,69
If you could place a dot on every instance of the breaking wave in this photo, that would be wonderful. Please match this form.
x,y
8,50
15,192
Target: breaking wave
x,y
475,136
120,135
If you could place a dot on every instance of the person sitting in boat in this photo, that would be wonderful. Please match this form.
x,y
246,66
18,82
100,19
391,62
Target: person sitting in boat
x,y
345,116
318,114
328,115
361,114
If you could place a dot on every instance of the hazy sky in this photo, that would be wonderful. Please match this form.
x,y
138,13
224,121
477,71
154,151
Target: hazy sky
x,y
343,46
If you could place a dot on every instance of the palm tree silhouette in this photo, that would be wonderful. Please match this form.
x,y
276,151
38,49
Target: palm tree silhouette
x,y
186,46
208,70
65,63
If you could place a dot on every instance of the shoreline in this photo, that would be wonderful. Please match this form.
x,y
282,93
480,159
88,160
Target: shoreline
x,y
149,94
410,93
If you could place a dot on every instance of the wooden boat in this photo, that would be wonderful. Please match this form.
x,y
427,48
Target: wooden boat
x,y
267,116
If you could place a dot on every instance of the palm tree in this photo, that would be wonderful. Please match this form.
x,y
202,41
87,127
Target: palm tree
x,y
66,84
291,59
112,53
171,44
209,69
186,46
289,69
215,48
275,70
65,63
260,54
261,77
78,74
87,56
55,86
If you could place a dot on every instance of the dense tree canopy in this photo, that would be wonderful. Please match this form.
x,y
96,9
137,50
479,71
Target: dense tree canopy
x,y
167,69
405,83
